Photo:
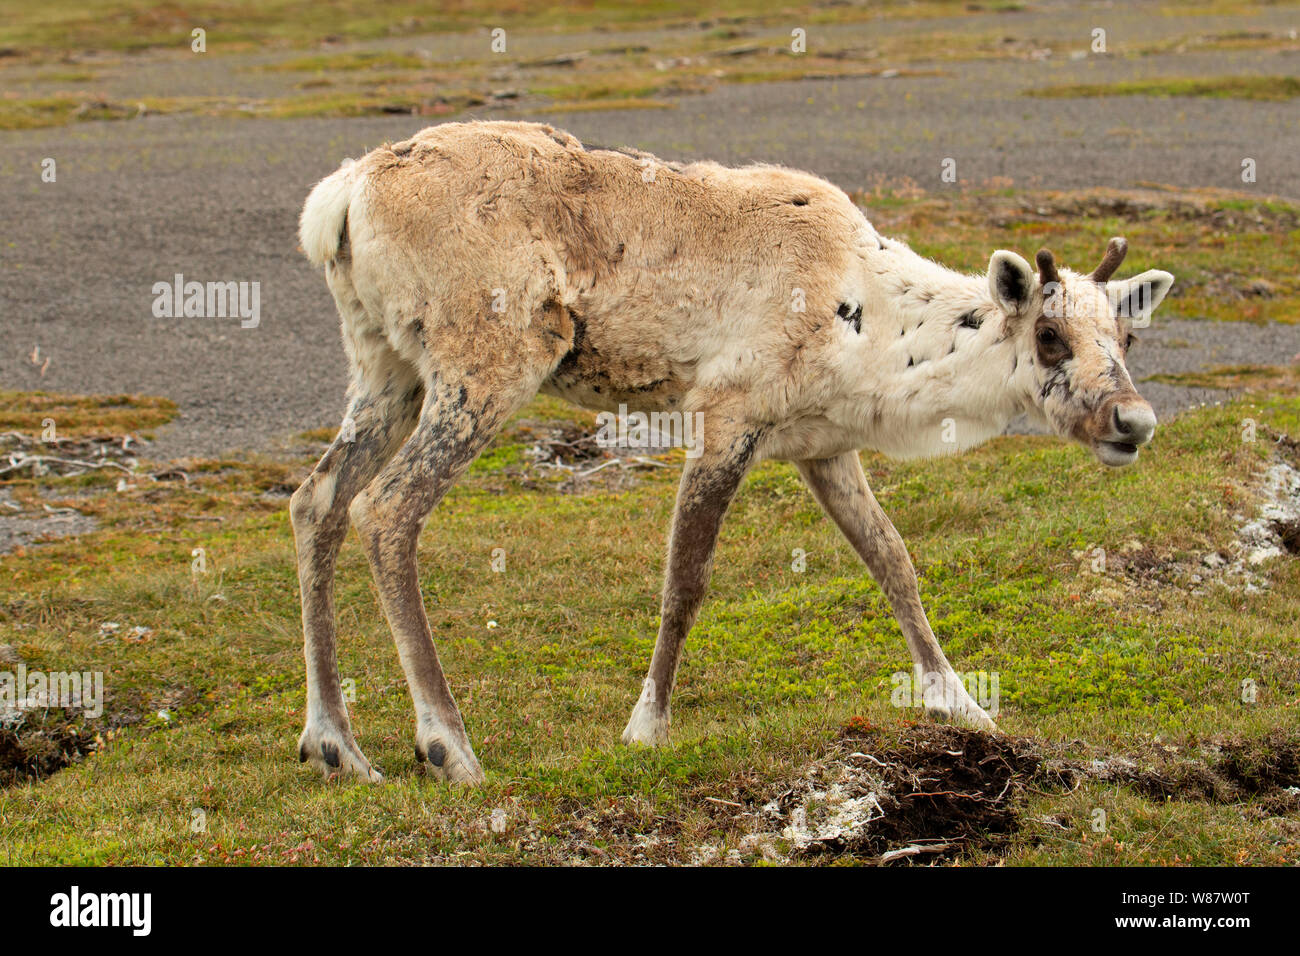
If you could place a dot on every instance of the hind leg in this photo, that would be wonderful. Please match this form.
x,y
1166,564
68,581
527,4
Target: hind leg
x,y
381,415
459,418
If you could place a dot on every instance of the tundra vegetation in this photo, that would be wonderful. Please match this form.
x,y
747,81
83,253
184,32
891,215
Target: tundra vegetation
x,y
204,674
1121,691
62,64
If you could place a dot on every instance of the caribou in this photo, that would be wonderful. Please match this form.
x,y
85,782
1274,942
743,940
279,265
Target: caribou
x,y
475,265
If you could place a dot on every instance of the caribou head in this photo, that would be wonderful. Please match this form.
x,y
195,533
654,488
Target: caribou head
x,y
1073,333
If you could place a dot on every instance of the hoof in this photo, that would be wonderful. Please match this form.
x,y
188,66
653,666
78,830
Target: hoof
x,y
448,761
335,753
949,703
973,716
646,726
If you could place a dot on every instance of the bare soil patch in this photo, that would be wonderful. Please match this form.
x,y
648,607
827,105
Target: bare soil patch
x,y
1219,771
924,796
42,743
928,795
567,457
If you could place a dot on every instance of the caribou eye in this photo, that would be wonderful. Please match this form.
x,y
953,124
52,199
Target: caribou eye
x,y
1128,342
1048,337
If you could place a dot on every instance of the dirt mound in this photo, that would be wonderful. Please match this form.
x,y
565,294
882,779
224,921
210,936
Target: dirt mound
x,y
1261,766
43,743
35,456
930,794
563,443
1221,771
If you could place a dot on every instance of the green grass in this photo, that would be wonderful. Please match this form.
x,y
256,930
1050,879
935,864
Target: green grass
x,y
132,25
348,62
1232,255
779,661
241,25
365,82
1271,88
1226,377
63,108
83,414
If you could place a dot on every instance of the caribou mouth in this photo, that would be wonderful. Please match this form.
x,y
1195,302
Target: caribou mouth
x,y
1116,454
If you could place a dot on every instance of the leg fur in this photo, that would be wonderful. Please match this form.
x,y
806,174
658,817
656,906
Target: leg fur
x,y
840,486
379,419
461,414
709,482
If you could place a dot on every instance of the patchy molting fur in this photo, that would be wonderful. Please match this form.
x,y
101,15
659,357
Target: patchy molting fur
x,y
478,263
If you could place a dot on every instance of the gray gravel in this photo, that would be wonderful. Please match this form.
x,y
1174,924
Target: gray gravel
x,y
217,199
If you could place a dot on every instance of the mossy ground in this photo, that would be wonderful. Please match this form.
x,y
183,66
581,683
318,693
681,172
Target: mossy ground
x,y
546,657
680,50
77,415
1272,88
1234,252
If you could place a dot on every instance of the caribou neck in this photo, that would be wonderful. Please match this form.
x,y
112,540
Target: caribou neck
x,y
934,369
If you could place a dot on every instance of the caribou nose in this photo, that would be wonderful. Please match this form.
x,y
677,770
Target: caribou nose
x,y
1137,423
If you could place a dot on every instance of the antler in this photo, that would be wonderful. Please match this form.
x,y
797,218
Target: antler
x,y
1047,267
1115,251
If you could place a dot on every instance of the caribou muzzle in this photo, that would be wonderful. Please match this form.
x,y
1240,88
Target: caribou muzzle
x,y
1125,424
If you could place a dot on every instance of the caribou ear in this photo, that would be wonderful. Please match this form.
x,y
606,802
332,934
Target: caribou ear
x,y
1011,282
1137,298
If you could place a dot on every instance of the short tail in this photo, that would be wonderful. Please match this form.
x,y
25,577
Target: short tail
x,y
325,214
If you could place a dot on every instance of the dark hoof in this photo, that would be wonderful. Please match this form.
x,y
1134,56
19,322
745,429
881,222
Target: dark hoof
x,y
331,754
436,755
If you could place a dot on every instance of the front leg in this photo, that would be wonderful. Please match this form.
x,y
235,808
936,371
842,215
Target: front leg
x,y
840,487
709,482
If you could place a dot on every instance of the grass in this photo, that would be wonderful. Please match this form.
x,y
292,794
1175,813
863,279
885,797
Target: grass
x,y
1270,88
75,415
134,25
779,661
751,43
353,61
1230,377
64,108
1233,255
51,28
351,84
624,103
